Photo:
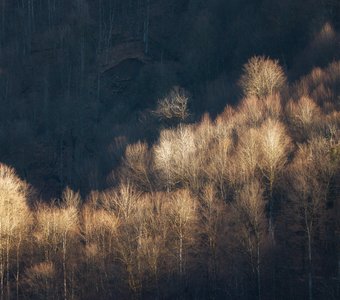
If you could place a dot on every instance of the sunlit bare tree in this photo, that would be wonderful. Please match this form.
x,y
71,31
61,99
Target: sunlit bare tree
x,y
274,146
182,215
262,77
15,220
137,166
250,209
309,186
57,231
174,105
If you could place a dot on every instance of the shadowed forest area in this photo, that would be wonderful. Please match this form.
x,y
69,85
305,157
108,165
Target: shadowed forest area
x,y
179,149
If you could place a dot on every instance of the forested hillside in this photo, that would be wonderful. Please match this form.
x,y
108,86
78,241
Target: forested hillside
x,y
179,149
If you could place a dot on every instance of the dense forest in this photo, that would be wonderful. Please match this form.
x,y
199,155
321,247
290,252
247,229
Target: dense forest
x,y
170,149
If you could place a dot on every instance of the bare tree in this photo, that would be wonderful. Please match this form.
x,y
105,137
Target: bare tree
x,y
309,186
305,117
57,228
219,163
174,105
153,245
273,106
177,157
122,200
15,219
140,243
274,146
182,215
125,203
212,226
99,229
247,157
262,77
251,111
137,166
250,209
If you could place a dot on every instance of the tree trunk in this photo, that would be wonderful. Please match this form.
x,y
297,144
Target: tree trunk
x,y
181,255
18,268
271,208
7,267
2,274
64,267
258,270
310,279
